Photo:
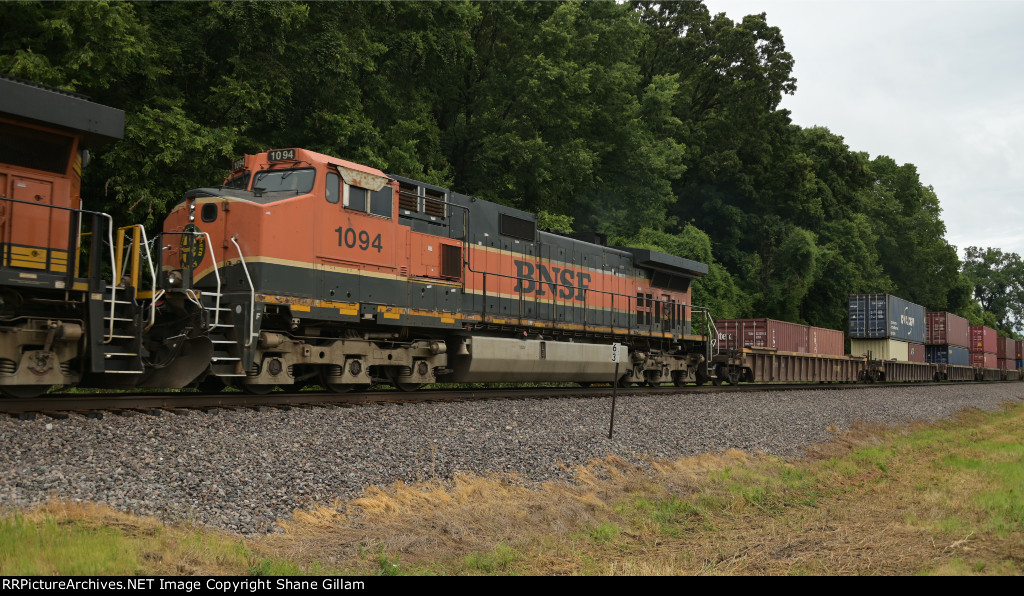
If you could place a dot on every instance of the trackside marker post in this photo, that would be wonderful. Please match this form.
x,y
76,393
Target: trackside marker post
x,y
615,385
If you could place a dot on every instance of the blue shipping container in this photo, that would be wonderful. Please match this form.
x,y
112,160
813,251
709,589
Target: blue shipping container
x,y
1020,364
884,316
947,355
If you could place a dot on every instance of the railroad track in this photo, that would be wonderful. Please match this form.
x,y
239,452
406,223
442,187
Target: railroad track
x,y
57,405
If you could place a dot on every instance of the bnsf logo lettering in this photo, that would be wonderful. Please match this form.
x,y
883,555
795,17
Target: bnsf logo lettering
x,y
563,283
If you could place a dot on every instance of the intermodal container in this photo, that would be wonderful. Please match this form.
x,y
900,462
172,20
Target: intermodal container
x,y
736,334
984,359
983,339
1006,348
881,349
956,355
915,352
830,342
884,316
1007,364
1019,347
943,328
1020,364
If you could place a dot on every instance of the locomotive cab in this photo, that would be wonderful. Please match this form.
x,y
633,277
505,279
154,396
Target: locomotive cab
x,y
295,247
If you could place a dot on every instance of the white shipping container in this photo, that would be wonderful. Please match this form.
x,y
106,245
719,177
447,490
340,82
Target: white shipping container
x,y
881,349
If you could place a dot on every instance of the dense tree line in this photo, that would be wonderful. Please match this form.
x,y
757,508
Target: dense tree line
x,y
655,123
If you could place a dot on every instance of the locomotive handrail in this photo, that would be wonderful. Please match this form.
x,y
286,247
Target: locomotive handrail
x,y
216,274
152,274
138,232
72,269
110,236
252,293
713,347
629,298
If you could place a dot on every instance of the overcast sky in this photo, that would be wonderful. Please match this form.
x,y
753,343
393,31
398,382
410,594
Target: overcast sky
x,y
935,83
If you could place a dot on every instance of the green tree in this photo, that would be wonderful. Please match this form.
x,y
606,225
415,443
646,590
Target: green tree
x,y
998,280
912,247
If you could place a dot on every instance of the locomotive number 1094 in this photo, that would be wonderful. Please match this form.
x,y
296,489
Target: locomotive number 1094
x,y
350,237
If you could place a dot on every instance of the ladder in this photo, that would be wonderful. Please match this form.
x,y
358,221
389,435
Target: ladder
x,y
121,349
228,342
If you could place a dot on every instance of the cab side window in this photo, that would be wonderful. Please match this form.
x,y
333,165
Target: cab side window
x,y
380,202
333,192
356,198
377,202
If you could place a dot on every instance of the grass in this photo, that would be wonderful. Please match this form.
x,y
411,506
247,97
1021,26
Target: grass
x,y
944,499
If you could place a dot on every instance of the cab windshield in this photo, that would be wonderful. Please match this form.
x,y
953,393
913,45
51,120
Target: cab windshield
x,y
297,181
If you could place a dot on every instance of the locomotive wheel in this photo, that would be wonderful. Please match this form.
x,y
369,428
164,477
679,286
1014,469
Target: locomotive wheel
x,y
334,387
257,388
393,377
211,384
24,391
653,380
338,387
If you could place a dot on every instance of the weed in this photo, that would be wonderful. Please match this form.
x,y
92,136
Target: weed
x,y
386,566
604,532
499,560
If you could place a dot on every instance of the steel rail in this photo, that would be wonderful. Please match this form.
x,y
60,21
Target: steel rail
x,y
77,402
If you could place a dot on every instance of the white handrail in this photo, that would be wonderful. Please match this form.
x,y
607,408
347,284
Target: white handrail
x,y
216,274
152,275
252,292
113,275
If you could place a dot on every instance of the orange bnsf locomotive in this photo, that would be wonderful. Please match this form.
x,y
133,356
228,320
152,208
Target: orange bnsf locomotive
x,y
305,268
65,317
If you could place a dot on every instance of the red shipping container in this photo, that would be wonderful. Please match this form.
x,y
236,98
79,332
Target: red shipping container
x,y
830,342
736,334
983,339
984,360
1007,364
1020,346
943,328
915,352
1007,348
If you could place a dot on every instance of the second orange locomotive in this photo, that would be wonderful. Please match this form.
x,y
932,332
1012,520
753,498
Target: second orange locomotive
x,y
304,267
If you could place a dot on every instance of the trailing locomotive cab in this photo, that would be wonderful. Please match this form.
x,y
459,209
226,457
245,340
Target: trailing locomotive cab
x,y
66,316
305,268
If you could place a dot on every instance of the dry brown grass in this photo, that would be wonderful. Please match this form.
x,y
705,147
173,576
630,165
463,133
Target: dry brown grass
x,y
866,521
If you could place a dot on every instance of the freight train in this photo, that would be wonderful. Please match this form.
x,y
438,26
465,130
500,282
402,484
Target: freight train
x,y
306,269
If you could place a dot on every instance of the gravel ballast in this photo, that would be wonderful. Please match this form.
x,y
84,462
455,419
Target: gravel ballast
x,y
242,471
